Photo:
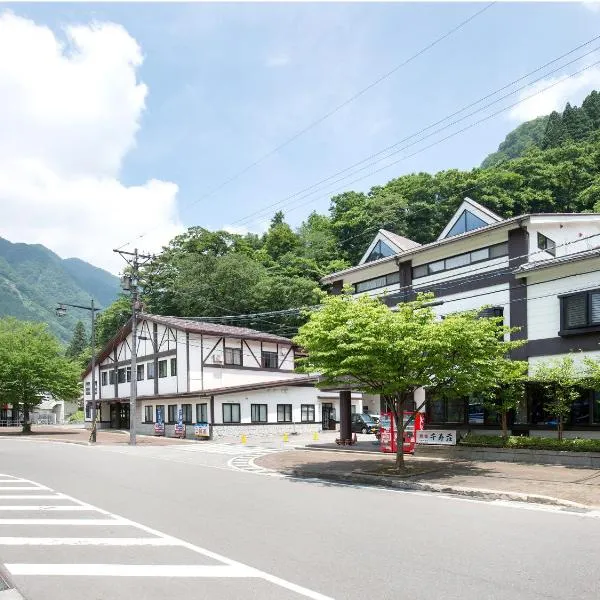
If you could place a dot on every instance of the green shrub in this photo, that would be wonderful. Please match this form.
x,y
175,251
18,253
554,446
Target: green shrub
x,y
533,443
77,417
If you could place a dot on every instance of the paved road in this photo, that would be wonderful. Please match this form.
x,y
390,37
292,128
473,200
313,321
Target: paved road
x,y
179,523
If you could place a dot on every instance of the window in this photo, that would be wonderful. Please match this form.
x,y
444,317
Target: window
x,y
269,360
187,413
284,413
88,388
231,413
381,250
461,260
172,408
173,367
104,377
545,243
88,410
150,370
162,368
140,372
233,356
466,222
148,413
307,413
128,374
202,413
258,413
441,411
121,375
111,377
580,311
377,282
160,413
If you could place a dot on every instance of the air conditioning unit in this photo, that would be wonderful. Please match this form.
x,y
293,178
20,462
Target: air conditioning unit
x,y
217,359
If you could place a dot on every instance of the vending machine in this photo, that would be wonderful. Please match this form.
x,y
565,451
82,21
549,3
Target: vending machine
x,y
388,431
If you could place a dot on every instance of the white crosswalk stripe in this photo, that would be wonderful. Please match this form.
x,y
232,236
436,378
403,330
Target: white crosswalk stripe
x,y
76,550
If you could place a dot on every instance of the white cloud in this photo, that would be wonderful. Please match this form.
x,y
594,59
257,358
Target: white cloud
x,y
277,60
69,113
593,5
572,90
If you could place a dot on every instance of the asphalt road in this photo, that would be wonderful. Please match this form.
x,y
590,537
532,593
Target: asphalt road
x,y
179,523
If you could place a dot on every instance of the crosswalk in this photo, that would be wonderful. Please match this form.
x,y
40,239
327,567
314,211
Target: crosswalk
x,y
46,535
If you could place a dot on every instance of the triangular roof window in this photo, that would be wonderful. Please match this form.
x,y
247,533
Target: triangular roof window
x,y
467,221
381,250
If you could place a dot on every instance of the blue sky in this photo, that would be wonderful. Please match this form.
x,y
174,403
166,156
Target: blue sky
x,y
228,82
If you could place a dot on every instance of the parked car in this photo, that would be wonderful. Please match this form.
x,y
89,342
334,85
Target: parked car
x,y
363,423
375,418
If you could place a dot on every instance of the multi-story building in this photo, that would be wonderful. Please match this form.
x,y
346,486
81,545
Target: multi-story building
x,y
236,379
541,272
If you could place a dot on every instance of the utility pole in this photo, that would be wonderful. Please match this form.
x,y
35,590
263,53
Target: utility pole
x,y
130,283
61,311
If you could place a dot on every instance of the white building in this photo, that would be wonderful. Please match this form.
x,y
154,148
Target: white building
x,y
238,380
540,271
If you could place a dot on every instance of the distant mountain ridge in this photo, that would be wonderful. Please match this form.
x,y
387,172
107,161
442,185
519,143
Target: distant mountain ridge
x,y
33,280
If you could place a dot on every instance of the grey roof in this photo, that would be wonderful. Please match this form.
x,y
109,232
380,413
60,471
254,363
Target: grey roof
x,y
537,265
399,241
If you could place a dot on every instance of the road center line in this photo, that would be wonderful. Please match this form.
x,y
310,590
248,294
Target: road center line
x,y
112,570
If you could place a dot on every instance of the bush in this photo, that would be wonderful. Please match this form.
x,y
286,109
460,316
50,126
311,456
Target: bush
x,y
77,417
533,443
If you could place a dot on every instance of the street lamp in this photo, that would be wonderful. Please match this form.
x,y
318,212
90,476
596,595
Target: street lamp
x,y
61,311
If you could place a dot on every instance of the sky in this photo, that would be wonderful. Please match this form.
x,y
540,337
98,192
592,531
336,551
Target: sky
x,y
124,124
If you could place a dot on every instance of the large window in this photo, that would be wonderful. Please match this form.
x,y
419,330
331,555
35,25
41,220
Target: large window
x,y
269,360
446,410
121,375
546,244
172,416
377,282
150,370
233,356
140,372
461,260
160,413
111,377
307,413
202,413
148,414
284,413
173,362
231,413
466,222
580,311
258,413
104,377
128,374
381,250
187,413
162,368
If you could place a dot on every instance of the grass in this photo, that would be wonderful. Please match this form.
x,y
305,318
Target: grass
x,y
77,417
532,443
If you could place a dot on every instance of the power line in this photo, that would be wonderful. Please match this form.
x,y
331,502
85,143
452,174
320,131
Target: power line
x,y
330,113
413,135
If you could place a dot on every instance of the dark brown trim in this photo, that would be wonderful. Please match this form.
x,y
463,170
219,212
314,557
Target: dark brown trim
x,y
337,287
253,355
115,367
213,349
212,410
285,357
560,345
187,360
201,361
518,249
141,359
155,344
242,367
406,280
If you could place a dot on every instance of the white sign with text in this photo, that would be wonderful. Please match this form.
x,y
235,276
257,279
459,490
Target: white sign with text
x,y
438,437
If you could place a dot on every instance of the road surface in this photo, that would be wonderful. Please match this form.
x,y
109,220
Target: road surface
x,y
194,521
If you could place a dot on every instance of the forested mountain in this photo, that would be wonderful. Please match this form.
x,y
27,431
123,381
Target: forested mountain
x,y
33,280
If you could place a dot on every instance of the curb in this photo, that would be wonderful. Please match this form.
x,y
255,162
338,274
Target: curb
x,y
11,593
479,493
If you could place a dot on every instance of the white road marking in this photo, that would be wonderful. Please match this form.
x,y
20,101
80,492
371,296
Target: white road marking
x,y
31,497
83,522
28,507
81,541
113,570
22,488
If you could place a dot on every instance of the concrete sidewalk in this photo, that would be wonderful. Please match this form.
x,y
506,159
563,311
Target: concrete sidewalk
x,y
534,483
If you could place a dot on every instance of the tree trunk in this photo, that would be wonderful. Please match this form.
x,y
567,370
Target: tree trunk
x,y
560,428
26,421
504,425
399,415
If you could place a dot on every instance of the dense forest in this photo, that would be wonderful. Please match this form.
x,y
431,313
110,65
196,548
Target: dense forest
x,y
550,164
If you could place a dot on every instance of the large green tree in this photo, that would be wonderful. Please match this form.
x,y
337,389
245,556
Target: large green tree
x,y
32,363
394,352
79,341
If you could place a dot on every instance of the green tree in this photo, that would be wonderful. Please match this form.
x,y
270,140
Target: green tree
x,y
577,123
32,363
79,341
560,378
393,353
280,239
591,105
556,132
111,319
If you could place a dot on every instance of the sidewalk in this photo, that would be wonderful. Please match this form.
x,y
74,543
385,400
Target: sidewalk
x,y
534,483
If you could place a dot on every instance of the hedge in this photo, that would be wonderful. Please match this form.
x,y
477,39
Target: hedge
x,y
533,443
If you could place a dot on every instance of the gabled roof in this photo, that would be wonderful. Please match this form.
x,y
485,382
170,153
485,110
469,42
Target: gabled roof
x,y
190,326
387,244
475,215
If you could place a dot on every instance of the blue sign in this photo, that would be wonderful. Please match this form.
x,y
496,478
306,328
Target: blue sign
x,y
180,418
159,416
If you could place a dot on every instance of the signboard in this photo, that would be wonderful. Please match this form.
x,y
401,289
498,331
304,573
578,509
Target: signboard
x,y
159,426
440,437
202,430
180,417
